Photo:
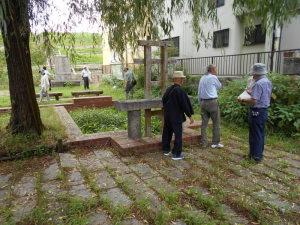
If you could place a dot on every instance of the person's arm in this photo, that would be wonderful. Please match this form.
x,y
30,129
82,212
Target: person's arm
x,y
185,103
217,83
199,98
247,101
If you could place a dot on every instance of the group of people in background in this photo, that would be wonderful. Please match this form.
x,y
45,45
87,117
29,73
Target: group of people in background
x,y
177,105
46,81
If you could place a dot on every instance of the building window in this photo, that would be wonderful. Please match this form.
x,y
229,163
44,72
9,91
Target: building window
x,y
221,38
173,50
220,3
255,36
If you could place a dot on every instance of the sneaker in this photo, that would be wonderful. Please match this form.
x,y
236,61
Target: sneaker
x,y
217,146
177,157
167,153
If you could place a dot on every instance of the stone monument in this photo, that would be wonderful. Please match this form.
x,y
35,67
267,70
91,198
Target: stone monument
x,y
63,72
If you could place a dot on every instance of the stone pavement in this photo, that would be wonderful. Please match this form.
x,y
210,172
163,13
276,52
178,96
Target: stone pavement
x,y
100,187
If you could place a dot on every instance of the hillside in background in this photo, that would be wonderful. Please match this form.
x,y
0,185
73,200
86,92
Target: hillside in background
x,y
81,48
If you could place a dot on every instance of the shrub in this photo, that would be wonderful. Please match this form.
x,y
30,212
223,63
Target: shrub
x,y
113,81
284,112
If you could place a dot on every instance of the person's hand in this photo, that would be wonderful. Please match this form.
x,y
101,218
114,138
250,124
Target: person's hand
x,y
191,120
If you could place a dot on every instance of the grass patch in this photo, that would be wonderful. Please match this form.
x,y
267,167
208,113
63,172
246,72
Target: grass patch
x,y
30,144
95,120
273,140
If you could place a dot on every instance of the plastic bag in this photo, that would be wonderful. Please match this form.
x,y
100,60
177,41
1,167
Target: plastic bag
x,y
244,96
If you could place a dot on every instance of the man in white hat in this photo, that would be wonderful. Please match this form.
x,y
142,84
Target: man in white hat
x,y
208,98
259,102
176,105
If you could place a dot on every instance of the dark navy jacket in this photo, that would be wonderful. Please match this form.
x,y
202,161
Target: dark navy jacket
x,y
176,103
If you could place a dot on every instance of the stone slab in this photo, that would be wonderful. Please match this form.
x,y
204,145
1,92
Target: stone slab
x,y
91,163
53,189
132,222
68,160
75,178
81,191
101,154
276,201
4,180
51,172
4,194
178,222
140,190
22,207
159,184
143,170
25,187
104,180
117,197
131,105
117,165
99,218
72,129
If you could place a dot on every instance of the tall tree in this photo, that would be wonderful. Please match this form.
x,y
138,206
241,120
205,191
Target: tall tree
x,y
15,28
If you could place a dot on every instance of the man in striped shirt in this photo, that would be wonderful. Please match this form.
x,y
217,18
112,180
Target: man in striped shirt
x,y
208,99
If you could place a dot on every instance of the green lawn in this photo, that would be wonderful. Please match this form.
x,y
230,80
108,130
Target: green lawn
x,y
13,144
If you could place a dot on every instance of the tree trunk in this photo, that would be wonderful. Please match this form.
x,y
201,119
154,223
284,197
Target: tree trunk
x,y
25,114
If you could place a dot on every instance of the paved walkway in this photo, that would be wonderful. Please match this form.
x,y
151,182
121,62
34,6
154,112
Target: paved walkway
x,y
99,187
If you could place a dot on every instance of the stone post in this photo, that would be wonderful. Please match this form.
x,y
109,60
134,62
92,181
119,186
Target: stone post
x,y
134,124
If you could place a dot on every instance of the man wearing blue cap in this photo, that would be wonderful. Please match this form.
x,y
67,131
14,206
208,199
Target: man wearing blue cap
x,y
259,102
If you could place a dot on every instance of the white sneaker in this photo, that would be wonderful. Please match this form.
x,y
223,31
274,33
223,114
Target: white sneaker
x,y
217,146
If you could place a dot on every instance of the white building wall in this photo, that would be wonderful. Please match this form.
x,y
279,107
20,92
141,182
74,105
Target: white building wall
x,y
183,29
290,38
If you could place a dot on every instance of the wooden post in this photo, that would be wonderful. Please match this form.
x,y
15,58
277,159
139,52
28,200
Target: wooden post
x,y
163,68
148,122
147,71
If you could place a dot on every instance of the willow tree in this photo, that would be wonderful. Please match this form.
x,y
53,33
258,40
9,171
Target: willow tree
x,y
129,20
15,28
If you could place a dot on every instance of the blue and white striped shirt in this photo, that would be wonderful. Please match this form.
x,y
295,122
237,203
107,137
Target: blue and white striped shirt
x,y
208,87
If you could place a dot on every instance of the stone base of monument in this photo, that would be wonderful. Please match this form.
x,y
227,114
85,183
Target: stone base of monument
x,y
56,83
94,101
126,146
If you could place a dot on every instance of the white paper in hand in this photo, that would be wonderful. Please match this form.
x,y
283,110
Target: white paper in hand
x,y
244,96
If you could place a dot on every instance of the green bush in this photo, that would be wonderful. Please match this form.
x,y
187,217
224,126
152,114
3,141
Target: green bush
x,y
113,81
284,112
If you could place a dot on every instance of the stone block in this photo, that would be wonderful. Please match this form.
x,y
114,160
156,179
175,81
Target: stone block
x,y
132,105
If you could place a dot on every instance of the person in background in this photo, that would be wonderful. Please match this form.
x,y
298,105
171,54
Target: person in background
x,y
45,85
130,82
86,76
176,105
46,72
258,114
208,98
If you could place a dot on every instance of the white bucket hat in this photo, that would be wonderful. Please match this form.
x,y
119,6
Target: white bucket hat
x,y
178,74
258,69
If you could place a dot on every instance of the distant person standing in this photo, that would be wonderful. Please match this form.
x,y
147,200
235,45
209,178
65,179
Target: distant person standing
x,y
261,91
45,85
86,76
176,105
208,98
130,82
46,72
